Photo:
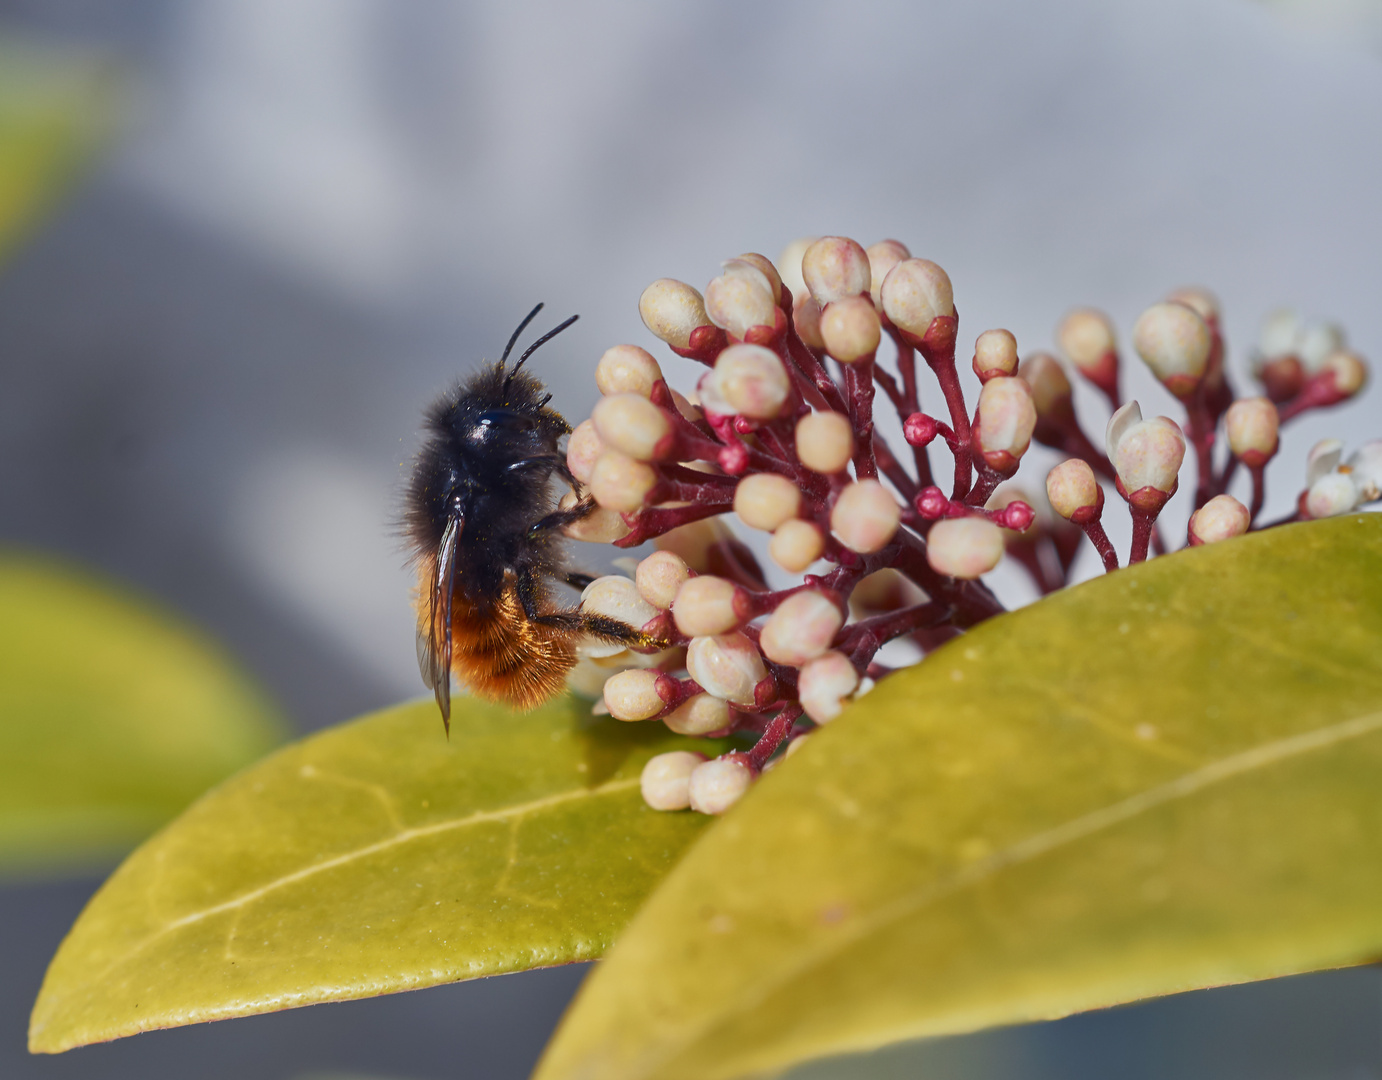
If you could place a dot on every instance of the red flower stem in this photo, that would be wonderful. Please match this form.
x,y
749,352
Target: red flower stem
x,y
972,601
989,479
858,386
943,365
674,692
890,387
773,736
1143,524
911,402
1028,554
1202,439
1259,490
894,624
893,470
1095,531
1226,477
805,361
656,520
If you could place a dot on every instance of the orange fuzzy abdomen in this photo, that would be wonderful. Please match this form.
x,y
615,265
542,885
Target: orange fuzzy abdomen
x,y
499,655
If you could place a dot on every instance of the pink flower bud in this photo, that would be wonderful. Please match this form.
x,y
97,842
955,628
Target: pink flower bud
x,y
1174,342
1252,425
699,715
600,526
825,441
1331,495
1349,372
620,482
1007,418
1199,300
964,547
806,317
865,516
752,381
658,577
915,293
1222,518
632,425
666,779
728,666
789,266
995,355
632,695
796,545
672,310
740,299
1050,386
883,256
920,429
1146,454
1074,492
717,785
835,268
627,369
823,685
1365,470
850,329
705,606
1086,336
582,449
765,500
1280,334
802,627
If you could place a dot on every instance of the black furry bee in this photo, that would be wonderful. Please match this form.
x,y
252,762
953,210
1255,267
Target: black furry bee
x,y
486,535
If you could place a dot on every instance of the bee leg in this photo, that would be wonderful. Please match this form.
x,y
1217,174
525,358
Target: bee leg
x,y
555,462
578,621
578,580
559,519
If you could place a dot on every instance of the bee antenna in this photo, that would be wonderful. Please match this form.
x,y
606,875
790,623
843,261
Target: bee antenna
x,y
534,346
521,327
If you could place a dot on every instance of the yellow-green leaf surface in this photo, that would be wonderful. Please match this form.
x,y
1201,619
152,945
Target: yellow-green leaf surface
x,y
114,716
1167,778
371,858
54,108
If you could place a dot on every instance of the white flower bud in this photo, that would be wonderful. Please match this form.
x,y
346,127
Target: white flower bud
x,y
1365,470
694,541
1145,453
915,293
717,785
1317,342
600,526
1086,336
1331,495
883,256
615,597
850,329
1198,299
632,425
1006,419
705,606
1073,490
621,483
627,369
823,685
740,300
765,500
825,441
658,577
964,547
1280,334
789,266
764,266
1252,425
995,354
801,628
806,317
1349,371
752,381
796,545
666,779
835,268
672,310
1221,518
582,450
699,715
1049,384
727,665
865,516
1323,458
1174,342
632,695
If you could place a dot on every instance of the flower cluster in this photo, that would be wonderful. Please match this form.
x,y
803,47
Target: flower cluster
x,y
779,431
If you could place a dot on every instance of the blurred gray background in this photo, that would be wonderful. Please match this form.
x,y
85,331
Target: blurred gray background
x,y
212,362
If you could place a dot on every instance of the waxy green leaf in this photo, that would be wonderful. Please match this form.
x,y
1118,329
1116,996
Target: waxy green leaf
x,y
113,717
1167,778
374,857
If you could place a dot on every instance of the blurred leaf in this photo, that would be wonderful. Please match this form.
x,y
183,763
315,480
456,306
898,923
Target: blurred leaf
x,y
54,109
372,858
113,717
1167,778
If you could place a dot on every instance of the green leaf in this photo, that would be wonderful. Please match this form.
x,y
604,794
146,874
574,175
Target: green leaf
x,y
372,858
55,108
1164,779
113,717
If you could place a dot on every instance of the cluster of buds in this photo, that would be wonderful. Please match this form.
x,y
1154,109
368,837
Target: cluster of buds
x,y
779,432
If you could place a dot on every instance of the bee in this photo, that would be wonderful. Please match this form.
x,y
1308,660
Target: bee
x,y
487,539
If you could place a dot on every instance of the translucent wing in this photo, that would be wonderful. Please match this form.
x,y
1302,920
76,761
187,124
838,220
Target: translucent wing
x,y
434,634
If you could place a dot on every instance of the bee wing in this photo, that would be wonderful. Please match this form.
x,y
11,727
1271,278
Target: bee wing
x,y
434,639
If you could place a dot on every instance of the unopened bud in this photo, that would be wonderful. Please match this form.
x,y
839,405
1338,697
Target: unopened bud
x,y
1349,372
696,542
915,293
1331,495
620,482
823,685
850,329
1323,458
1317,342
1365,470
582,450
599,526
825,441
1174,342
835,268
964,547
666,779
789,266
764,266
728,666
632,695
672,310
1087,337
1050,386
1145,453
765,500
995,355
920,429
717,785
740,300
796,545
752,381
883,256
659,576
632,425
1222,518
1006,420
627,369
1280,334
865,516
1199,300
614,597
1252,425
1074,492
801,628
699,715
705,606
806,317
